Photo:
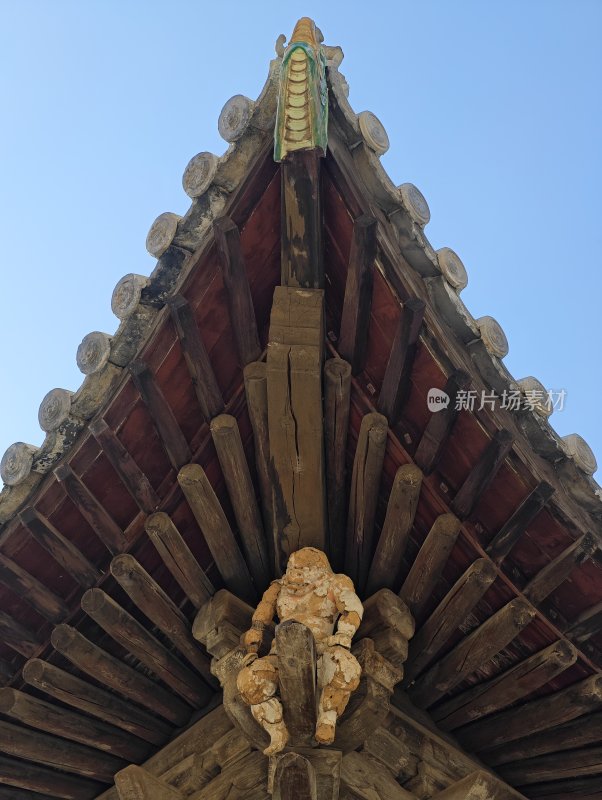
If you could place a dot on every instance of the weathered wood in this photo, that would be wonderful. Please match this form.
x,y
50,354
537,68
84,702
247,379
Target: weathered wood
x,y
46,782
297,317
440,424
197,360
559,569
221,621
363,497
479,785
297,676
296,448
50,751
18,637
578,733
395,387
482,474
64,552
101,522
357,304
92,700
294,779
38,596
401,510
246,778
232,459
505,689
585,788
131,635
503,542
337,399
325,764
448,616
534,716
425,572
67,724
586,625
256,390
301,248
135,783
240,302
111,672
12,793
178,559
575,764
366,779
215,528
164,420
132,477
389,624
155,604
6,672
472,652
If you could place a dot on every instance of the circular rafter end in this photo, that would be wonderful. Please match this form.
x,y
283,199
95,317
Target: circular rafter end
x,y
17,462
415,203
581,453
199,174
374,132
54,409
493,336
536,395
452,268
126,294
235,117
161,233
93,352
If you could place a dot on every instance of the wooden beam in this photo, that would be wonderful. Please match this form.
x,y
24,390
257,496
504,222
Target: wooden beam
x,y
473,652
537,715
424,574
363,497
58,721
232,459
395,387
12,793
6,672
158,607
108,670
357,304
238,292
164,420
46,782
391,547
64,552
558,570
363,777
92,700
130,474
575,764
479,785
294,779
389,624
197,360
586,625
131,635
297,676
18,637
301,248
448,616
178,558
440,424
580,732
482,474
337,399
503,542
101,522
215,528
585,788
25,586
521,680
50,751
135,783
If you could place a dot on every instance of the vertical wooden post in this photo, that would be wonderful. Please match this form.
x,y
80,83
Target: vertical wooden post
x,y
302,259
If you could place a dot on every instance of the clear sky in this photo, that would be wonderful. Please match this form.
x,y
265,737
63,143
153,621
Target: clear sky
x,y
493,110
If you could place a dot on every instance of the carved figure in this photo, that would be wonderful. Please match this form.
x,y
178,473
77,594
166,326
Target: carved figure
x,y
309,593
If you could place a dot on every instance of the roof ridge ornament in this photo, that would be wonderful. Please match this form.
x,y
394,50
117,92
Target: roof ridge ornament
x,y
302,116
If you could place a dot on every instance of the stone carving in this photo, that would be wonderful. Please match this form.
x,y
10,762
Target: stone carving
x,y
374,132
581,453
54,409
161,233
452,268
17,462
415,202
493,336
536,396
309,593
234,117
199,173
127,293
93,352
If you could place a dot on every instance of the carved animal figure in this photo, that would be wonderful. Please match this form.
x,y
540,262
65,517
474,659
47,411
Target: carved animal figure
x,y
310,593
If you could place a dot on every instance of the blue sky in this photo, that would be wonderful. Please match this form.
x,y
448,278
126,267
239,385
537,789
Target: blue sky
x,y
493,110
